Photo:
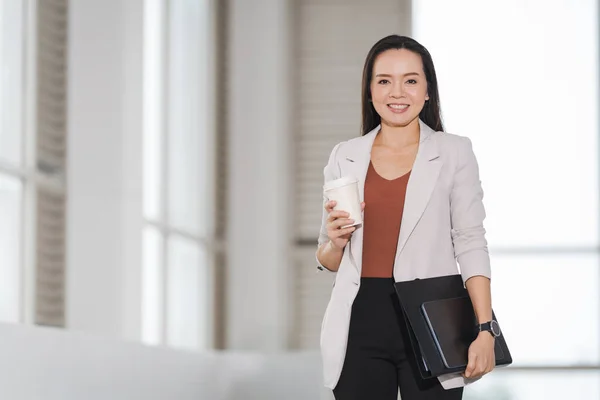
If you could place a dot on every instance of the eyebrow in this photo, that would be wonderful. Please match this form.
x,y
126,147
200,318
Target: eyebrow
x,y
389,76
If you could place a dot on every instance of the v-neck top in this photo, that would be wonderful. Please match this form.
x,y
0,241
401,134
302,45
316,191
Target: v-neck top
x,y
384,201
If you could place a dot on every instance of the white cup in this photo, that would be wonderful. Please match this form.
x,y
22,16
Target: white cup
x,y
345,192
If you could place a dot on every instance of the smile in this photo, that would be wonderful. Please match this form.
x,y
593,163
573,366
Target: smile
x,y
398,108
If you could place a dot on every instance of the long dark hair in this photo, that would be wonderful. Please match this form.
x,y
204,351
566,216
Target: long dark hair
x,y
430,114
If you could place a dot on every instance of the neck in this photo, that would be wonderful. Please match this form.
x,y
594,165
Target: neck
x,y
398,137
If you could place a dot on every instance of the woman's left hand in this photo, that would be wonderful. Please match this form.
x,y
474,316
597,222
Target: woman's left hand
x,y
481,356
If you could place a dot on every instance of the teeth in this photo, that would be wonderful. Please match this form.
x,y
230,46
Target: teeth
x,y
398,106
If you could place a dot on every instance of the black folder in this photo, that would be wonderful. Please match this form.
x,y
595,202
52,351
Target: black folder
x,y
441,323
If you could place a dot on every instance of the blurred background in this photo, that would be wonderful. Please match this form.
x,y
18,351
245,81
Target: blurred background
x,y
160,187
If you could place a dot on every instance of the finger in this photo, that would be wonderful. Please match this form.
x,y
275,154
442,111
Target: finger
x,y
475,374
471,365
362,206
329,205
337,214
479,370
484,366
345,232
341,222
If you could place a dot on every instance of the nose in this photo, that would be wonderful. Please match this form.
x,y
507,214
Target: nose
x,y
397,90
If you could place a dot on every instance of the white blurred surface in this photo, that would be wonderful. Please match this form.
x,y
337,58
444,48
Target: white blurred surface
x,y
49,364
536,385
526,92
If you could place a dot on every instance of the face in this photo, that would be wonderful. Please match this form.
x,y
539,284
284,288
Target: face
x,y
398,87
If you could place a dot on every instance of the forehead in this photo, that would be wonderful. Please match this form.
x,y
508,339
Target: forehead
x,y
397,61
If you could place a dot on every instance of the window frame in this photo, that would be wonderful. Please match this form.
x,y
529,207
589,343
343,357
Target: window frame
x,y
157,23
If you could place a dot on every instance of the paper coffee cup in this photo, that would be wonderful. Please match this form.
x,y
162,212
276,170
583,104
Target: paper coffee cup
x,y
345,192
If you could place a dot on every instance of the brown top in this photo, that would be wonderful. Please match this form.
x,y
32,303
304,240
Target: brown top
x,y
384,201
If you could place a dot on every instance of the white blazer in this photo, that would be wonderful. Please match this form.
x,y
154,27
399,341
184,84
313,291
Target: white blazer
x,y
442,224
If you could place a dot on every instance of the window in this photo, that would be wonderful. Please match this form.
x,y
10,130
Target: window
x,y
177,189
526,93
32,161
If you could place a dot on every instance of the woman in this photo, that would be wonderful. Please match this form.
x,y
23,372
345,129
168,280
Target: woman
x,y
423,212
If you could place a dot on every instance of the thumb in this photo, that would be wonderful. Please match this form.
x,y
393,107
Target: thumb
x,y
471,365
362,206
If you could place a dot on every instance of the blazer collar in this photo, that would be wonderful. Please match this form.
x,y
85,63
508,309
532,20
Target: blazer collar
x,y
355,159
359,150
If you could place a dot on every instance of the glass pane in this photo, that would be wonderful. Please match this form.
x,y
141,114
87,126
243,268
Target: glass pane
x,y
153,108
10,248
152,287
536,385
11,80
528,97
187,303
548,307
188,139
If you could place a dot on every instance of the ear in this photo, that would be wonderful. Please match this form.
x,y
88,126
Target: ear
x,y
427,97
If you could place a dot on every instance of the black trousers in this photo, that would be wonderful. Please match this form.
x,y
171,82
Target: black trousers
x,y
379,359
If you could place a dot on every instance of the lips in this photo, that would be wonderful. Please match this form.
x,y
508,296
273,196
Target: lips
x,y
398,108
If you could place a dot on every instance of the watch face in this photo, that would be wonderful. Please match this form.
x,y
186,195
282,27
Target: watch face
x,y
495,328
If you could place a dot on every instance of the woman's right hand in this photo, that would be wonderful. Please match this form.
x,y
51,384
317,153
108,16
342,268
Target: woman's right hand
x,y
339,236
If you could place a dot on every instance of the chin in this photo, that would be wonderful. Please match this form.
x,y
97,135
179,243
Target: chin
x,y
399,122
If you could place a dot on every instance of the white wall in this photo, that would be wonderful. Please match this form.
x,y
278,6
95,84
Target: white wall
x,y
259,207
104,167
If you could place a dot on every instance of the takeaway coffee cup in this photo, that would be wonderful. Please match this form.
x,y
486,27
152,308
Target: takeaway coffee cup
x,y
345,192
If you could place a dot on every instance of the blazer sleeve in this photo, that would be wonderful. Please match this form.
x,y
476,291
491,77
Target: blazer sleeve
x,y
467,215
330,172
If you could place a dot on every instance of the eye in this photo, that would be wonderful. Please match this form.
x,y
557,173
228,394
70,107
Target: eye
x,y
411,81
383,81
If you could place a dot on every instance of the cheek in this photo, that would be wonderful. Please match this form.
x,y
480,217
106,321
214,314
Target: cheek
x,y
417,94
378,93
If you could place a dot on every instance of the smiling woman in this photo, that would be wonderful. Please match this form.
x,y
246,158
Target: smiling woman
x,y
407,73
393,92
423,212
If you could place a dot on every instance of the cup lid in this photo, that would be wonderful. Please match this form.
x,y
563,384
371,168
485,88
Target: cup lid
x,y
343,181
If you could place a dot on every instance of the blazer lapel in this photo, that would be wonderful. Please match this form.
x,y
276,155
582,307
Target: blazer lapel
x,y
421,183
354,161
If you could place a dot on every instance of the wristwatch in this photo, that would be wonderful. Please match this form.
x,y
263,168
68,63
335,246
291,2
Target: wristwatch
x,y
492,327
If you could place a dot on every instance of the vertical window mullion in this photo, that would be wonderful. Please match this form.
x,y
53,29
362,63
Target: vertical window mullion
x,y
165,88
29,157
